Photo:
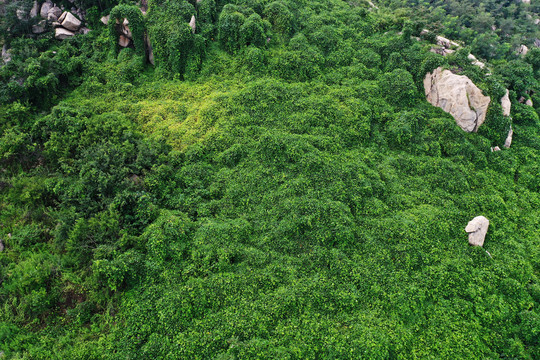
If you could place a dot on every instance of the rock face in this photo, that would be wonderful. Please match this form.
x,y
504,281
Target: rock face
x,y
71,22
61,33
149,50
457,95
506,104
477,229
475,61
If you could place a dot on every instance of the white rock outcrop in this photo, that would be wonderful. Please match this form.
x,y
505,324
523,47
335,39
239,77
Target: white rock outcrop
x,y
529,102
105,19
506,104
61,33
457,95
477,229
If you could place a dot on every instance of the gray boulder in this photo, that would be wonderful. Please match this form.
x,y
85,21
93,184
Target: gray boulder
x,y
123,41
508,140
54,13
62,17
47,5
477,229
70,22
61,33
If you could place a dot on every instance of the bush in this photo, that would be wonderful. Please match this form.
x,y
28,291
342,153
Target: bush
x,y
399,88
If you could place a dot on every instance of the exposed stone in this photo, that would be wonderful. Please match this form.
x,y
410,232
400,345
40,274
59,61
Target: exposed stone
x,y
475,61
477,229
526,1
508,140
506,104
442,51
457,95
523,50
62,17
61,33
192,24
54,13
496,148
40,27
47,5
442,41
6,56
537,42
127,31
21,14
536,21
1,245
123,41
84,30
529,102
71,22
105,19
35,10
149,50
56,24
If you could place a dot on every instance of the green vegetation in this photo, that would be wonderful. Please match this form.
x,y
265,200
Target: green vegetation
x,y
276,187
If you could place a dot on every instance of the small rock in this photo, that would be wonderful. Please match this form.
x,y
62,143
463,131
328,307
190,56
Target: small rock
x,y
523,50
56,24
536,21
537,42
125,22
123,41
47,5
508,140
70,22
40,27
1,245
35,10
477,229
506,104
105,19
6,56
84,30
529,102
61,33
127,31
21,14
149,50
496,148
192,24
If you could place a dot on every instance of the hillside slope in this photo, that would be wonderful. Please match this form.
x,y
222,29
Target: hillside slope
x,y
291,198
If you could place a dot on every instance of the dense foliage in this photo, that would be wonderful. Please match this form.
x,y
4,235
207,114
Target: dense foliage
x,y
275,188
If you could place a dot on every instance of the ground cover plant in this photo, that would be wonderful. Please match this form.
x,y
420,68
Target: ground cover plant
x,y
276,187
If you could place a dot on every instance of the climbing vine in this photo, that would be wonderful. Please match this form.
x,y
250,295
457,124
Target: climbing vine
x,y
136,25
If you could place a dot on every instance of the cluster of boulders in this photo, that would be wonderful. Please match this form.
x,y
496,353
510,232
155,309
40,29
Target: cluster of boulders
x,y
65,23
